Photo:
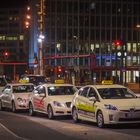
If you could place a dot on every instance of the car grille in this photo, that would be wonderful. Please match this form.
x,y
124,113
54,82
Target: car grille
x,y
136,110
129,119
68,104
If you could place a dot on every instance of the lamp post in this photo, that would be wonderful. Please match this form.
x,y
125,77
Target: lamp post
x,y
40,41
41,14
78,67
138,27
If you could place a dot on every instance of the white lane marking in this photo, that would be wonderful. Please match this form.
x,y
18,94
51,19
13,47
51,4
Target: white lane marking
x,y
12,133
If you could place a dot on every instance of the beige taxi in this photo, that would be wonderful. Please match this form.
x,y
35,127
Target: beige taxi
x,y
106,104
52,99
15,96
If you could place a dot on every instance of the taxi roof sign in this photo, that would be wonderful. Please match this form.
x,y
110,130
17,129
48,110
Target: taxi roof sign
x,y
23,81
59,81
107,82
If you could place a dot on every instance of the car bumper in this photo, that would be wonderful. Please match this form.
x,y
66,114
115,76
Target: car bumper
x,y
121,117
22,107
58,111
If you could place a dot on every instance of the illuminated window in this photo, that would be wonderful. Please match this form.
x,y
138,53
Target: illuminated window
x,y
92,47
21,37
58,46
2,37
11,38
134,47
10,18
129,47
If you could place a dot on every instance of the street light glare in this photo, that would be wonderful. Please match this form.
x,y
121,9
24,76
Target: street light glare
x,y
138,25
42,37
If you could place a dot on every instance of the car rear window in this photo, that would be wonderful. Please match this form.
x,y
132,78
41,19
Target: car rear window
x,y
61,90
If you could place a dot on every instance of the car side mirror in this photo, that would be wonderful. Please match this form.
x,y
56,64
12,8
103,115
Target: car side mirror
x,y
92,99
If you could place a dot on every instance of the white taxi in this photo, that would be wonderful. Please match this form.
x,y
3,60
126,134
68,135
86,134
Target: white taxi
x,y
15,96
106,104
52,99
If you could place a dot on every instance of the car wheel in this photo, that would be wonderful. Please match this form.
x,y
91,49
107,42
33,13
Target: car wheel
x,y
100,119
13,107
50,112
31,110
75,115
1,108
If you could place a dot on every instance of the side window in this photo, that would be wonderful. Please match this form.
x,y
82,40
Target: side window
x,y
84,92
7,89
92,93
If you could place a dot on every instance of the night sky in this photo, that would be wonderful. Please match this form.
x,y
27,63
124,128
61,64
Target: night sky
x,y
12,3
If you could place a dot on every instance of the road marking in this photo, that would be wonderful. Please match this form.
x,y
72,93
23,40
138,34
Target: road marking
x,y
75,128
12,133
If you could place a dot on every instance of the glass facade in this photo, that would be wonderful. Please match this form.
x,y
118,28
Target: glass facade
x,y
90,27
13,43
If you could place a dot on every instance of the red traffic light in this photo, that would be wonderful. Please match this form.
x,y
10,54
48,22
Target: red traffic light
x,y
118,43
6,54
59,70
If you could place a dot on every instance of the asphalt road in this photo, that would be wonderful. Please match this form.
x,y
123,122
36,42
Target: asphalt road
x,y
23,127
14,127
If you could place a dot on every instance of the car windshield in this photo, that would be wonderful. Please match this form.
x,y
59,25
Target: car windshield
x,y
36,79
61,90
116,93
23,88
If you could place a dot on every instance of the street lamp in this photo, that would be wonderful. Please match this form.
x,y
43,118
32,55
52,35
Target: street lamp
x,y
40,41
138,27
78,64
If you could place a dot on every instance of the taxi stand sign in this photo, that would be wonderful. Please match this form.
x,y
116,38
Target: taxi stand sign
x,y
23,81
107,82
59,81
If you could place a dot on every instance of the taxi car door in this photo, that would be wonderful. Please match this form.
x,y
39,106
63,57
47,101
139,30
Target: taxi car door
x,y
6,97
86,106
39,98
82,101
92,104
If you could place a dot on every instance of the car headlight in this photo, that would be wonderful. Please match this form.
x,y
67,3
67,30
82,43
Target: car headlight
x,y
58,104
110,107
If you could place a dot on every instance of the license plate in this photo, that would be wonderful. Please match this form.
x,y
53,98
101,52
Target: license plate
x,y
129,115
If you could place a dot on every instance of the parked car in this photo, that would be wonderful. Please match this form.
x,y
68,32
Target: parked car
x,y
52,99
106,104
15,96
31,78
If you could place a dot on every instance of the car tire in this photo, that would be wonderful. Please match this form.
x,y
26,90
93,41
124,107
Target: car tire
x,y
31,110
100,119
14,110
75,115
50,112
1,107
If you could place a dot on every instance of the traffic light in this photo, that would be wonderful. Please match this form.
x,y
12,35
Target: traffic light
x,y
59,69
118,43
6,54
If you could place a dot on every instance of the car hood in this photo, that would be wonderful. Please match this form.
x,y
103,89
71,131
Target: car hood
x,y
124,103
61,98
22,95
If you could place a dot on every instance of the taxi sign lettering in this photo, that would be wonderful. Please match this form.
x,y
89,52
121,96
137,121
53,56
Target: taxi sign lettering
x,y
107,82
